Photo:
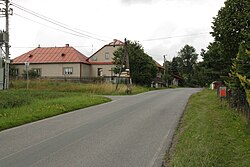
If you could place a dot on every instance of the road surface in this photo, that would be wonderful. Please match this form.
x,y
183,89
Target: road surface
x,y
131,131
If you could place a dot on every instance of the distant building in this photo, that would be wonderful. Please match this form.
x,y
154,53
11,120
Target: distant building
x,y
177,79
159,81
68,63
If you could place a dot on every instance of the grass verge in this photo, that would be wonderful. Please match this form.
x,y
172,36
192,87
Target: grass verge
x,y
210,134
19,107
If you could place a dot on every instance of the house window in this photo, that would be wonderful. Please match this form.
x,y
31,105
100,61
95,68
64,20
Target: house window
x,y
38,71
68,71
107,55
99,72
14,72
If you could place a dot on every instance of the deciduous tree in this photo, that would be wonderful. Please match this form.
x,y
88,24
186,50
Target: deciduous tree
x,y
229,29
189,57
142,67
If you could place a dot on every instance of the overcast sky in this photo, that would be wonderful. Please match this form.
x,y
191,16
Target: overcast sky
x,y
163,27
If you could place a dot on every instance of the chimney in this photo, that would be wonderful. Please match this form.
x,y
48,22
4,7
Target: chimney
x,y
66,45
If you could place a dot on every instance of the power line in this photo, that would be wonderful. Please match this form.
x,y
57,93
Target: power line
x,y
49,26
178,36
52,21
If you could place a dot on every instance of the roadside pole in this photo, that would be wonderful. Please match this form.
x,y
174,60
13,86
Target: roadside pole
x,y
129,82
27,74
6,12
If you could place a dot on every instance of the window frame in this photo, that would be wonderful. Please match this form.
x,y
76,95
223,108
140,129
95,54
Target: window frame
x,y
38,71
107,55
67,70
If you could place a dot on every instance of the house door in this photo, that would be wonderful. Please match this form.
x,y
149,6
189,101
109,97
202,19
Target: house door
x,y
99,72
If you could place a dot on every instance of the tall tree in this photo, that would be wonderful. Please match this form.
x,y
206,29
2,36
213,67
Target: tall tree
x,y
176,66
229,29
142,67
213,63
189,58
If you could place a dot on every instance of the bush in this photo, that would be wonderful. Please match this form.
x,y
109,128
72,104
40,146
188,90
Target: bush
x,y
33,74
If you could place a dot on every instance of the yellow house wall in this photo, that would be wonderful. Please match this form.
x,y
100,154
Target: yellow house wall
x,y
56,70
100,55
106,70
85,70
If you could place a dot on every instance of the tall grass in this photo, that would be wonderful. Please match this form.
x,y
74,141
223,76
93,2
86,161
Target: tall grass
x,y
97,88
211,134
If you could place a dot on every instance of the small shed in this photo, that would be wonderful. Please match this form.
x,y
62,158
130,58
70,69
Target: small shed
x,y
177,80
216,85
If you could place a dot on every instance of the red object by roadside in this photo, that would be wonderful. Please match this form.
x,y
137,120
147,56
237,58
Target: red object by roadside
x,y
223,91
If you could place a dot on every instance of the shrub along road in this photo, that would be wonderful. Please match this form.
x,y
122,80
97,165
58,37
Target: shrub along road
x,y
129,131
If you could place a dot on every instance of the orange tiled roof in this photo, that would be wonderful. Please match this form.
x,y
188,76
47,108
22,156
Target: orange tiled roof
x,y
65,54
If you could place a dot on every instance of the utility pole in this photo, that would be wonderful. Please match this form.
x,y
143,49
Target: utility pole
x,y
7,58
129,82
27,74
125,60
120,70
164,64
6,12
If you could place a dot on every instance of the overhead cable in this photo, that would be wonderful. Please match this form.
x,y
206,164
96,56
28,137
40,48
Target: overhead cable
x,y
52,21
178,36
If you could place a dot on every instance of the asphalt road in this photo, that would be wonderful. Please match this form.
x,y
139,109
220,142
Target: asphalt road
x,y
132,131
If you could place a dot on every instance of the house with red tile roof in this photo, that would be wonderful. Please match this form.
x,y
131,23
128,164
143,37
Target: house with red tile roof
x,y
54,62
68,63
102,60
